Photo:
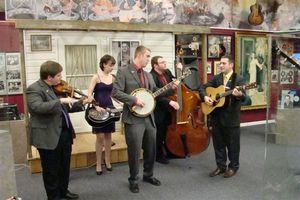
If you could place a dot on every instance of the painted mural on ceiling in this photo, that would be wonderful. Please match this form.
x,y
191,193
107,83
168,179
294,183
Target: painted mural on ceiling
x,y
269,15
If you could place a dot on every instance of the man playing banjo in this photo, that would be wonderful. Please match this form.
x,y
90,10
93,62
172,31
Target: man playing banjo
x,y
140,131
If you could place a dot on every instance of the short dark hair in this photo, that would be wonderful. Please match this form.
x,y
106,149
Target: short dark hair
x,y
229,57
49,68
154,60
105,59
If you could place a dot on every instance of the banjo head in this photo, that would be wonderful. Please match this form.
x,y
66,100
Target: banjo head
x,y
147,97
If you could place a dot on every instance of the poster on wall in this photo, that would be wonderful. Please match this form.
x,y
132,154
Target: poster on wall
x,y
251,64
13,73
131,11
286,76
2,74
123,52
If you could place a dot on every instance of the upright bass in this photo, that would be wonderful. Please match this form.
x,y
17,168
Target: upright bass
x,y
187,135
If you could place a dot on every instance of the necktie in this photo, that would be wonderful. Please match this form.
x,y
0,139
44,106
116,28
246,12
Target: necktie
x,y
66,116
163,79
64,112
225,80
141,76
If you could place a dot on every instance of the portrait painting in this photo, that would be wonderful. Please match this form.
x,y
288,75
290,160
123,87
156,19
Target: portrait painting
x,y
123,52
252,64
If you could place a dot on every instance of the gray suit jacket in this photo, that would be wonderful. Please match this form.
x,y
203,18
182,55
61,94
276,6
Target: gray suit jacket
x,y
45,110
127,81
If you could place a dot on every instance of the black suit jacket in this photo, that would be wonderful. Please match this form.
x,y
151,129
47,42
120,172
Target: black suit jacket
x,y
229,114
161,112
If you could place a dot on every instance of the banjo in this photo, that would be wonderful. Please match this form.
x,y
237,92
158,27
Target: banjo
x,y
149,98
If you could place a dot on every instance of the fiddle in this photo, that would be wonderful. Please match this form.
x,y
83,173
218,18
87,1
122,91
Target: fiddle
x,y
63,88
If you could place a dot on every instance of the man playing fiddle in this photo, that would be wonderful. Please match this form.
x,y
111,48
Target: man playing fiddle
x,y
51,130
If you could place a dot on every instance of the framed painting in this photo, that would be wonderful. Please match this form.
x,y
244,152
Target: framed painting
x,y
252,64
209,67
218,45
41,43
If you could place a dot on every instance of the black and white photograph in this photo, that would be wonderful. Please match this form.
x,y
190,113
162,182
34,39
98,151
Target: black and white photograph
x,y
2,87
123,52
14,87
2,59
287,98
12,58
13,74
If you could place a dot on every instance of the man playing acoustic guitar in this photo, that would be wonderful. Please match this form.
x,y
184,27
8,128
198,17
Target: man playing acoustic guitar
x,y
225,120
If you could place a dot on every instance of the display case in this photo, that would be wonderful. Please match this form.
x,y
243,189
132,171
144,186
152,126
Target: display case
x,y
282,163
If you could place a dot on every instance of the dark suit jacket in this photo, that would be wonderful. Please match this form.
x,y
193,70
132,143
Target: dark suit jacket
x,y
229,114
126,82
161,111
45,110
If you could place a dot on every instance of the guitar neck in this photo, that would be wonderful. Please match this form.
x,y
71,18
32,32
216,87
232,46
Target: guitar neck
x,y
229,92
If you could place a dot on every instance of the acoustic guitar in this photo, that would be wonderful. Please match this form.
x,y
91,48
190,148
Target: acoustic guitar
x,y
255,17
218,96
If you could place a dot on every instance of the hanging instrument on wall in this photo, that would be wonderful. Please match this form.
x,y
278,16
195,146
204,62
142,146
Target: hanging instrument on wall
x,y
255,17
149,98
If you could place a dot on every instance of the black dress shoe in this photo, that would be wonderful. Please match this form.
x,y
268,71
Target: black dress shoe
x,y
229,173
134,187
152,180
70,195
162,160
216,172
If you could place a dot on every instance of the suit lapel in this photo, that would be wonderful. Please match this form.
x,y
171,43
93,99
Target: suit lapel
x,y
133,72
47,89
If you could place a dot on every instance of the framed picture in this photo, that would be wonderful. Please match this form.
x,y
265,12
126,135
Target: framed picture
x,y
286,76
287,99
13,74
251,63
41,43
209,70
274,76
217,67
218,45
123,52
2,74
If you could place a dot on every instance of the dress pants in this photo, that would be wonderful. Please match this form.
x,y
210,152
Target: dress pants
x,y
56,166
140,136
160,139
226,138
